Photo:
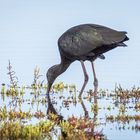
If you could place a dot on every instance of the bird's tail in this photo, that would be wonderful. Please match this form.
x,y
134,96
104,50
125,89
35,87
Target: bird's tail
x,y
122,44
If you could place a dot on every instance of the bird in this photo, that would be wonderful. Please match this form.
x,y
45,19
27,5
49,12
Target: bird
x,y
85,42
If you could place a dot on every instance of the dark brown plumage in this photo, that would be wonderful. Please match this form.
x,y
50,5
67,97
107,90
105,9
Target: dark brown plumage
x,y
85,42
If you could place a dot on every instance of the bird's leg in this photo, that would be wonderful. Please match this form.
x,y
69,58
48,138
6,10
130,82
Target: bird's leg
x,y
86,78
84,108
95,80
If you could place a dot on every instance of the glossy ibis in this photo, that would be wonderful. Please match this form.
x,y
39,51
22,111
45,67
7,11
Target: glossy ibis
x,y
85,42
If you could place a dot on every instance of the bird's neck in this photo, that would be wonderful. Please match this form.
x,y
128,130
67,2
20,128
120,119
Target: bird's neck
x,y
62,67
57,70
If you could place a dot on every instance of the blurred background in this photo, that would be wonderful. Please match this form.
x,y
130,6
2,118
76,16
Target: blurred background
x,y
29,30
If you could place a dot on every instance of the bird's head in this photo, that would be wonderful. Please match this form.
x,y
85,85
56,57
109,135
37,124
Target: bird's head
x,y
51,76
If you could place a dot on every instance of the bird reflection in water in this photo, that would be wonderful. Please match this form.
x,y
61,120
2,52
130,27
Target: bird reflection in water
x,y
89,130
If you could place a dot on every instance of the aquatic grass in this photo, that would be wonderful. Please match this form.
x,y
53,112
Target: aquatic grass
x,y
14,116
80,128
137,106
3,89
95,108
13,78
37,83
73,126
17,130
127,93
123,118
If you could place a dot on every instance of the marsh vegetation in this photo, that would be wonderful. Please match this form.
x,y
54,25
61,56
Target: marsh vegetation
x,y
26,113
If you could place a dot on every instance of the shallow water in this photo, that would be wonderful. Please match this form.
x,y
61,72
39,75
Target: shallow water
x,y
67,105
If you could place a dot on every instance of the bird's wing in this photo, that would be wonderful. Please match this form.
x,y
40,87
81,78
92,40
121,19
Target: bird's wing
x,y
81,40
109,35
